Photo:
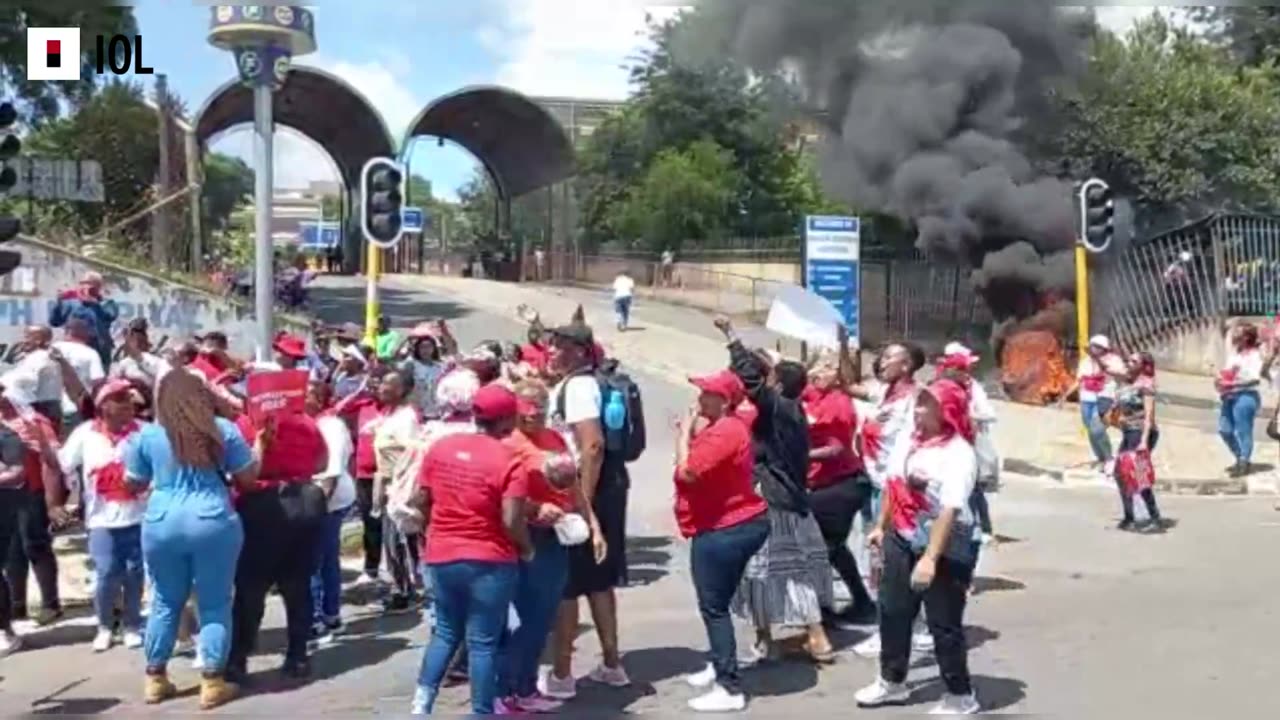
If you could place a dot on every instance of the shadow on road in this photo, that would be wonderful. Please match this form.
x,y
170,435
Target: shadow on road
x,y
51,705
993,693
647,559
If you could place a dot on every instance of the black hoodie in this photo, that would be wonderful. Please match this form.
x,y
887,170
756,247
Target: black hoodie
x,y
780,436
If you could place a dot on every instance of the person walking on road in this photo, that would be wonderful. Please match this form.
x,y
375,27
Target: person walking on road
x,y
1237,385
1095,384
717,507
1136,403
191,534
925,528
624,288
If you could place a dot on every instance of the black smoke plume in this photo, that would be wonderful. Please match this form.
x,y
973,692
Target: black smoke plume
x,y
925,103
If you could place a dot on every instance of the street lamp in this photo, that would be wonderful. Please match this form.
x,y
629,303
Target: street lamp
x,y
264,38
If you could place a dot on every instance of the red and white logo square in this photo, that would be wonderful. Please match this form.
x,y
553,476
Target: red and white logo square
x,y
53,53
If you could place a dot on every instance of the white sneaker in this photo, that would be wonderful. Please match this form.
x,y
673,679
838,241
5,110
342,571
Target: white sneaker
x,y
922,641
132,639
103,640
957,705
556,687
719,700
613,677
868,649
184,648
881,692
9,643
703,678
197,662
421,696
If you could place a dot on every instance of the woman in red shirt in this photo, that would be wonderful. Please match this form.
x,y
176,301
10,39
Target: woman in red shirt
x,y
282,515
717,506
474,489
558,513
838,484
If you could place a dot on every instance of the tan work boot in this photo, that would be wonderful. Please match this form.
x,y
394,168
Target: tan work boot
x,y
157,689
215,691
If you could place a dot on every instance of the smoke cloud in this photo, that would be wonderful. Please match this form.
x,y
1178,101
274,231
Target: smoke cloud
x,y
926,103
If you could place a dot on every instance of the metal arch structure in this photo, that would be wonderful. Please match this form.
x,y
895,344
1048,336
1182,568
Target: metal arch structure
x,y
522,146
317,104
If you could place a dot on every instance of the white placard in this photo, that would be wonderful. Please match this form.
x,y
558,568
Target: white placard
x,y
805,316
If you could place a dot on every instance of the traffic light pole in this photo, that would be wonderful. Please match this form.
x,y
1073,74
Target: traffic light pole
x,y
1082,297
371,310
263,249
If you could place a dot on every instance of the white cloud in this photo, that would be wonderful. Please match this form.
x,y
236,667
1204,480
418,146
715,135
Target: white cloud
x,y
1120,19
571,47
298,160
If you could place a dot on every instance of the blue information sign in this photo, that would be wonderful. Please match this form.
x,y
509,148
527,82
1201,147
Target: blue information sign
x,y
412,219
832,252
320,238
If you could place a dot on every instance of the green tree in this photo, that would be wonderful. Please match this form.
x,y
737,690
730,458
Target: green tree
x,y
686,195
228,181
1172,122
39,100
476,217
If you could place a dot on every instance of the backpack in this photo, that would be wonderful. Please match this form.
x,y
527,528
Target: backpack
x,y
621,411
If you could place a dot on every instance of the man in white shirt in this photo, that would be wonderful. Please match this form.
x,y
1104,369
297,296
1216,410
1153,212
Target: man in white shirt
x,y
37,378
623,289
84,359
137,362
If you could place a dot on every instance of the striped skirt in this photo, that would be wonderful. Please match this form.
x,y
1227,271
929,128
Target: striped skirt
x,y
789,581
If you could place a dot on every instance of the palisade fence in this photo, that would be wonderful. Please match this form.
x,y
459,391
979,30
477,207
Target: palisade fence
x,y
1189,281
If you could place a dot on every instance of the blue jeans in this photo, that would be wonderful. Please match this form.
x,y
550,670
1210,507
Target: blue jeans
x,y
1235,423
718,558
117,561
326,582
471,600
1091,414
622,309
186,550
539,589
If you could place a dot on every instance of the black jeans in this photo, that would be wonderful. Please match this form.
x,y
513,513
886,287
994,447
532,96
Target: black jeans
x,y
1129,440
371,540
944,602
281,533
718,559
32,545
981,511
835,507
10,499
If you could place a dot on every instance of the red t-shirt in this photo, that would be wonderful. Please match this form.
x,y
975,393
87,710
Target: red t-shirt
x,y
468,477
721,459
532,451
536,354
831,420
294,452
208,366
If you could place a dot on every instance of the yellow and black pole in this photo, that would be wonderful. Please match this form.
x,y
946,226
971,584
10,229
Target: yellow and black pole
x,y
381,200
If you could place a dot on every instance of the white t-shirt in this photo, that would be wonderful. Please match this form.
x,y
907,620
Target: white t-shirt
x,y
88,366
897,421
89,453
36,378
581,403
1089,371
148,369
337,437
623,287
1247,366
947,473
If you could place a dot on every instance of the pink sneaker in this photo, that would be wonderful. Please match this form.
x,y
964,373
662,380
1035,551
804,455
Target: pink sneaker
x,y
537,703
506,706
613,677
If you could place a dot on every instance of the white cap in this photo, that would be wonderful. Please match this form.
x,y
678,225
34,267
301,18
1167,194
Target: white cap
x,y
955,348
1100,341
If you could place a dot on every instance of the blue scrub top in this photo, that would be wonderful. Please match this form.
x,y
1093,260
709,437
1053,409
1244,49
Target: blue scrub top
x,y
149,460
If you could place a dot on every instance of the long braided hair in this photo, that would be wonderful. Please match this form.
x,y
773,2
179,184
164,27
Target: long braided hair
x,y
185,409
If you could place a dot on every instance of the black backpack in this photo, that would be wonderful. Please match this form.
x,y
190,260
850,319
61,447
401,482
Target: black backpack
x,y
627,442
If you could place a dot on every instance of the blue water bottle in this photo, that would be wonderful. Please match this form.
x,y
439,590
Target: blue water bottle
x,y
615,421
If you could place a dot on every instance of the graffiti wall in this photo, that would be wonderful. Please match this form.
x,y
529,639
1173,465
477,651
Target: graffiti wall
x,y
175,312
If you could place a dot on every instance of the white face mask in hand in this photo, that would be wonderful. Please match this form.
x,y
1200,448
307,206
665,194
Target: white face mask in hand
x,y
572,529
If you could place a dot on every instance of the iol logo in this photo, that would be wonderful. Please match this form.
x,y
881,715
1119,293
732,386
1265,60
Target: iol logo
x,y
54,54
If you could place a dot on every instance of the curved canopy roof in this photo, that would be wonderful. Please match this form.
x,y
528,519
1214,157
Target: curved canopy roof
x,y
317,104
520,143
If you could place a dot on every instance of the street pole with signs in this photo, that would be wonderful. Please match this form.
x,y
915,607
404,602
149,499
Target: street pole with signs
x,y
264,38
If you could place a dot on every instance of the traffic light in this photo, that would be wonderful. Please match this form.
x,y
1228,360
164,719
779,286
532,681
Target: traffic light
x,y
9,148
381,200
1097,215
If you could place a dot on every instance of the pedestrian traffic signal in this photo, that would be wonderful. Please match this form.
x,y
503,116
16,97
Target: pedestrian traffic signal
x,y
9,148
1097,215
381,199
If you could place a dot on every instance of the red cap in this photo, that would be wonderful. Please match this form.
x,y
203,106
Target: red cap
x,y
111,387
494,402
291,346
724,383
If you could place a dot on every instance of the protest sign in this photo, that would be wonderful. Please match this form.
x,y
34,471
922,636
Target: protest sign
x,y
281,392
806,316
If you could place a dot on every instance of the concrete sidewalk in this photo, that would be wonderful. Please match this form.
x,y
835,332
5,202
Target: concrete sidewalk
x,y
1045,441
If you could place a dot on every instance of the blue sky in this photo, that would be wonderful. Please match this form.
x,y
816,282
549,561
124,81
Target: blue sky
x,y
403,54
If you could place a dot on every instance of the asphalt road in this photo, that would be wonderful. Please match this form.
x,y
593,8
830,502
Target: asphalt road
x,y
1072,617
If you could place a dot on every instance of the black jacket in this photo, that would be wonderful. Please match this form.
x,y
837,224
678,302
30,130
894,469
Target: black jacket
x,y
780,436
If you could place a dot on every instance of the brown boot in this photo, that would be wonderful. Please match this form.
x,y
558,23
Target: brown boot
x,y
158,688
215,691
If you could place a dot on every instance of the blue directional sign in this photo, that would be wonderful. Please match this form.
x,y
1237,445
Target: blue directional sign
x,y
832,252
320,237
413,219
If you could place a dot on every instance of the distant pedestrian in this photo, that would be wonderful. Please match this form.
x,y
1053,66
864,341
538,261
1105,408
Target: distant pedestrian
x,y
624,287
1237,385
1095,384
540,265
667,267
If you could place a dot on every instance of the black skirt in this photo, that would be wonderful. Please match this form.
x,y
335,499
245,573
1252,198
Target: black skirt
x,y
586,577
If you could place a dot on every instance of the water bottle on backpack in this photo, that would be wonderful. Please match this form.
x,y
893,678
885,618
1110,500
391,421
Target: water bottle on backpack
x,y
615,421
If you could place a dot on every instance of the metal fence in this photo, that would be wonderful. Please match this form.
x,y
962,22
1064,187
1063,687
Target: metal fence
x,y
1191,280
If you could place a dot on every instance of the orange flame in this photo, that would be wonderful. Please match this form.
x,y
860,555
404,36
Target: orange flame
x,y
1033,369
